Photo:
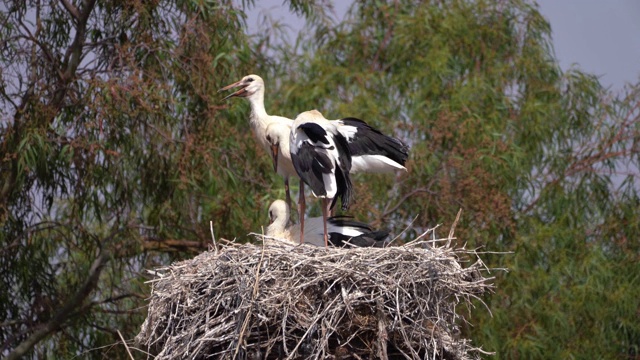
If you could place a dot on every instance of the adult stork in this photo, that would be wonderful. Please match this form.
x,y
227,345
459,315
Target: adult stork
x,y
371,151
251,87
320,154
362,136
343,230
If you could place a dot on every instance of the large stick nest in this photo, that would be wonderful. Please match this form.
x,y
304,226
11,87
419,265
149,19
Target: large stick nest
x,y
302,302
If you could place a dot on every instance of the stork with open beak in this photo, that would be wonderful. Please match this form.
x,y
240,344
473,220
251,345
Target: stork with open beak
x,y
251,87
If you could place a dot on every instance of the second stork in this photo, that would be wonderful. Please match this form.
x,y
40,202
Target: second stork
x,y
321,157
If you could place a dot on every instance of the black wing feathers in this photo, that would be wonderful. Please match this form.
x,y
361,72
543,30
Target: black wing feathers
x,y
370,141
314,132
341,240
368,238
306,162
344,220
312,162
343,180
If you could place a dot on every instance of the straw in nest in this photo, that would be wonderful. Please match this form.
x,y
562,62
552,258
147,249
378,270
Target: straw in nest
x,y
280,301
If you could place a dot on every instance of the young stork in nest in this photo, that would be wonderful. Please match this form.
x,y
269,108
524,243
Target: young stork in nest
x,y
342,229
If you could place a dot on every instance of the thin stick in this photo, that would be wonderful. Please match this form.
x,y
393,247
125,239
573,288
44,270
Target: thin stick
x,y
213,237
125,345
453,227
403,231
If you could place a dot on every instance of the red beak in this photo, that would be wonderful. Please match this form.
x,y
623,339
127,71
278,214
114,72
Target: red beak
x,y
274,157
241,92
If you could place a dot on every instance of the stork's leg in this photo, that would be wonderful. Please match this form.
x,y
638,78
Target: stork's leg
x,y
325,210
301,209
287,194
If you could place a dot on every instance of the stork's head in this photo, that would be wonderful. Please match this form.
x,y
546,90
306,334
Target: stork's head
x,y
278,212
249,86
278,218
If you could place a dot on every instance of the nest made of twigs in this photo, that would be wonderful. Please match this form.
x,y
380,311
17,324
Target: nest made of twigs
x,y
280,301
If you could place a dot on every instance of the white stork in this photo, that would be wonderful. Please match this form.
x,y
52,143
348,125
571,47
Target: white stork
x,y
342,229
278,136
252,88
320,154
371,150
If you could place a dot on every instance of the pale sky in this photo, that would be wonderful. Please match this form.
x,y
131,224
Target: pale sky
x,y
601,37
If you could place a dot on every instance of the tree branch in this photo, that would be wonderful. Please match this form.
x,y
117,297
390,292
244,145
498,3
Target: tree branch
x,y
74,52
169,245
71,9
404,198
68,310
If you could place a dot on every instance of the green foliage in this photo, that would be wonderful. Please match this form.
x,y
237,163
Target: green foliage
x,y
115,147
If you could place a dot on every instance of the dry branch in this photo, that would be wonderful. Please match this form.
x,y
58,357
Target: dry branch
x,y
301,302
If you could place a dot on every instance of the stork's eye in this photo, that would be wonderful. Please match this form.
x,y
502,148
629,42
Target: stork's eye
x,y
249,79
